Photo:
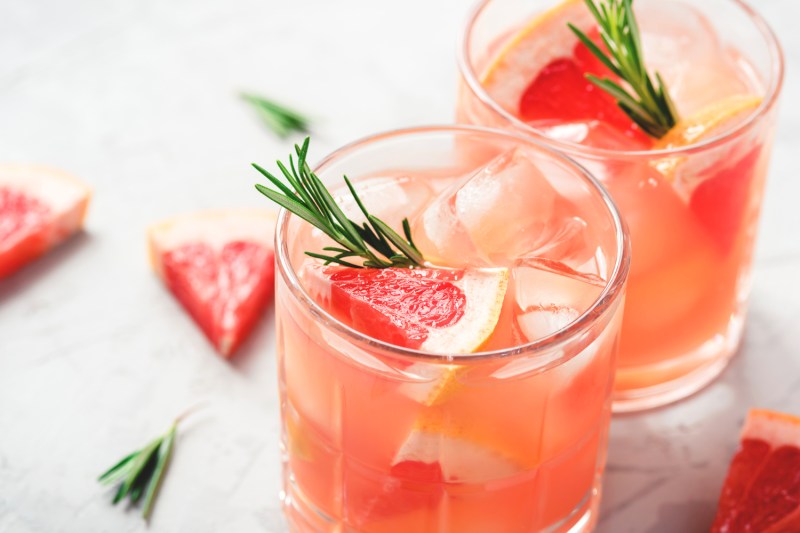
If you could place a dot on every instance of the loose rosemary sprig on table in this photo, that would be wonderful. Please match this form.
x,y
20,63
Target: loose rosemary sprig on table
x,y
278,118
307,197
141,472
650,105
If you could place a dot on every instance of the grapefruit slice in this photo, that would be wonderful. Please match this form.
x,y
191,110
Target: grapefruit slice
x,y
710,121
717,186
762,489
40,207
540,74
221,266
435,310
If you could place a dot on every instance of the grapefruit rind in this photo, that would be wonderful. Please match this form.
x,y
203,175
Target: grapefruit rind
x,y
709,121
64,194
778,429
527,53
485,290
213,227
703,125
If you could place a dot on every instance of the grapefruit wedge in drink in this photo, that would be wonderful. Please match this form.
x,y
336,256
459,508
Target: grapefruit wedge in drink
x,y
220,265
673,108
762,490
40,207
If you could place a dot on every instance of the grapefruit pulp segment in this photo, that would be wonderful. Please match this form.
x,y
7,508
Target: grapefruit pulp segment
x,y
40,207
544,39
447,311
762,488
221,266
540,75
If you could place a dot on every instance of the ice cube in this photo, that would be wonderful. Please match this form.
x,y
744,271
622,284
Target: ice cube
x,y
493,216
592,133
391,198
680,43
550,295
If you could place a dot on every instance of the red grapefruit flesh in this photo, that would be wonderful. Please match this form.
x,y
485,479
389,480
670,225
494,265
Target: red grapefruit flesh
x,y
221,266
430,309
562,92
720,202
39,208
762,489
722,188
541,74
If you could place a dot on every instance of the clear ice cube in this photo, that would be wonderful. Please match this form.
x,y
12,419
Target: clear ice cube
x,y
680,43
492,216
391,198
550,295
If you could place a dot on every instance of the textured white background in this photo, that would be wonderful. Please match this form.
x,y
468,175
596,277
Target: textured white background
x,y
139,98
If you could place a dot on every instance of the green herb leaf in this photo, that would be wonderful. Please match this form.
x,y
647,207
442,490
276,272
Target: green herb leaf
x,y
649,104
141,472
307,197
280,119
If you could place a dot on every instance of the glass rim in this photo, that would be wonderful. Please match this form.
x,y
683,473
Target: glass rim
x,y
612,289
769,101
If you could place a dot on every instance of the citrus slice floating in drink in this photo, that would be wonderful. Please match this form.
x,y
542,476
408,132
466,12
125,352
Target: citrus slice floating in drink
x,y
540,74
717,186
449,311
40,207
221,266
762,489
710,121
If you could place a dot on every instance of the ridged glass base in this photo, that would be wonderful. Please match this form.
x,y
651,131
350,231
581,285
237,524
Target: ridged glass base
x,y
303,517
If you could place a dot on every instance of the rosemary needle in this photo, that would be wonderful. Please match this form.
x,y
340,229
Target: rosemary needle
x,y
280,119
650,105
140,473
307,197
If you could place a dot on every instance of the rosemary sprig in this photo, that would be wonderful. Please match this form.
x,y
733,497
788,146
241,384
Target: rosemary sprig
x,y
279,118
141,472
307,197
650,105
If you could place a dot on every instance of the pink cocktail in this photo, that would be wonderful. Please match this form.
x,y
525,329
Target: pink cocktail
x,y
691,199
403,411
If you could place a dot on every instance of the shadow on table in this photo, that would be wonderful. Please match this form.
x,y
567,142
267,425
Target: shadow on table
x,y
686,517
47,265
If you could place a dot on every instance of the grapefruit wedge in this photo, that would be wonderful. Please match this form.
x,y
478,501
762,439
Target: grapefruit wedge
x,y
40,207
762,489
221,266
710,121
718,186
540,74
447,311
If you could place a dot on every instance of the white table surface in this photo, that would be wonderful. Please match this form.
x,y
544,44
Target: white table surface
x,y
139,98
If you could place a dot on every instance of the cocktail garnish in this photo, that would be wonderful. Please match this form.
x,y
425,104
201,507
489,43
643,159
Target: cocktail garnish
x,y
278,118
374,241
650,105
140,473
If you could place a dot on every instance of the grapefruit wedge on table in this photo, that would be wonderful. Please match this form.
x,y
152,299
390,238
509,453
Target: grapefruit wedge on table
x,y
762,490
221,266
40,207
